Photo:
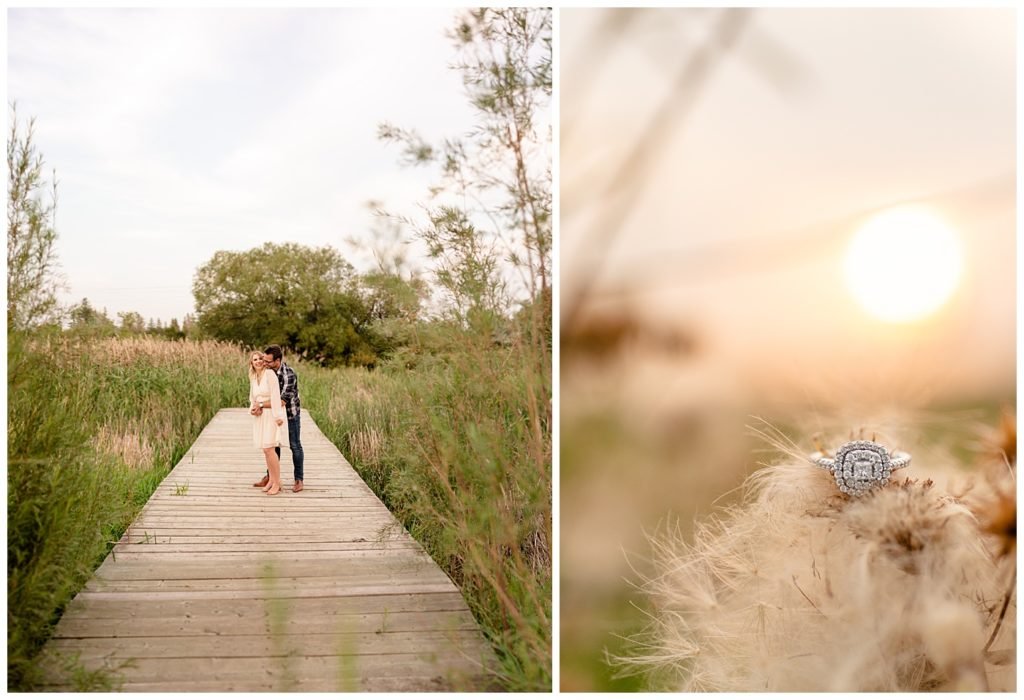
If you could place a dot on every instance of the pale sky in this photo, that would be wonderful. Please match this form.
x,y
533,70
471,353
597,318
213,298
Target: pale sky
x,y
819,117
178,133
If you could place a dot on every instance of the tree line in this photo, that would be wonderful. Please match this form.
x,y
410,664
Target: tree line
x,y
84,319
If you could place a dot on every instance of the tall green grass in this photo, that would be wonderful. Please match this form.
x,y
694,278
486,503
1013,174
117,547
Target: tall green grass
x,y
93,427
458,447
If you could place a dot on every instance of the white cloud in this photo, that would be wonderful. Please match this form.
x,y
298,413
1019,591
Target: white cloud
x,y
179,133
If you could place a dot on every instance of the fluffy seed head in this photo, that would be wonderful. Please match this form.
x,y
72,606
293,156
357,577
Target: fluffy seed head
x,y
801,588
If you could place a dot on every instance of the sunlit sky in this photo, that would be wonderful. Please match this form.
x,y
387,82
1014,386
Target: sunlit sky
x,y
176,134
819,119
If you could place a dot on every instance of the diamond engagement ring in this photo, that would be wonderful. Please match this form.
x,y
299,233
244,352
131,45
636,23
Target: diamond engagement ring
x,y
861,466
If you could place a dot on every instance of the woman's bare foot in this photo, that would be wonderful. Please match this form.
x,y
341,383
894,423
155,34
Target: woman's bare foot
x,y
275,490
267,488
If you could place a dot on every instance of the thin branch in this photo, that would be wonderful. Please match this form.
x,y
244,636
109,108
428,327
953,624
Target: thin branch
x,y
1002,613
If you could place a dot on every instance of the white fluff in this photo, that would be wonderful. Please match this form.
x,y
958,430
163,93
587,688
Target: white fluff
x,y
799,588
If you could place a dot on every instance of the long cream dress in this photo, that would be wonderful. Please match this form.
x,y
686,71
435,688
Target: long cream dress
x,y
265,430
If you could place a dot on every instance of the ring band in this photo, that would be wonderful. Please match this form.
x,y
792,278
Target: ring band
x,y
861,466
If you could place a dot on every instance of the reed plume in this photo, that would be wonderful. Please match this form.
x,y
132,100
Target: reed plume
x,y
798,587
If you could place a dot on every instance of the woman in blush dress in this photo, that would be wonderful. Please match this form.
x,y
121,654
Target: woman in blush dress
x,y
266,427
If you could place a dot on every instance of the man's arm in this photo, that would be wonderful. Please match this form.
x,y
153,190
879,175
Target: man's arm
x,y
288,387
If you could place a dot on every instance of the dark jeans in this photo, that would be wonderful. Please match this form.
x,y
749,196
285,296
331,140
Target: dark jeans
x,y
294,445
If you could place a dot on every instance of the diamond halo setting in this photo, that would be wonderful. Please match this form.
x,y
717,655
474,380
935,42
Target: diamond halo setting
x,y
861,466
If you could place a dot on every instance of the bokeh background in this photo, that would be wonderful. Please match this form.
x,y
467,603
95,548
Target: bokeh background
x,y
717,167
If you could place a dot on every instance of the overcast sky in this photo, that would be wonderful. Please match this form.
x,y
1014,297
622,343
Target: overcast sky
x,y
176,134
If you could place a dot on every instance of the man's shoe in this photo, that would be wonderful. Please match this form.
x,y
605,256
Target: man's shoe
x,y
297,486
262,482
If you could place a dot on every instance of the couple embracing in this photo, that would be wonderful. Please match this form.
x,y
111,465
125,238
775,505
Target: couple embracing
x,y
274,399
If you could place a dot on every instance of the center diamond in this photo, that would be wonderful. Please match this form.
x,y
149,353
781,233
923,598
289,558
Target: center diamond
x,y
864,467
861,466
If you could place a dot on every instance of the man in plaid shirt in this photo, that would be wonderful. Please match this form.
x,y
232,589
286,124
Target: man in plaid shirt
x,y
289,384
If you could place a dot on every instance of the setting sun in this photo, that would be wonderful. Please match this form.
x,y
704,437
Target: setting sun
x,y
903,264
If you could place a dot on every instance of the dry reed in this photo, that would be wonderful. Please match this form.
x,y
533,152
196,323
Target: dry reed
x,y
801,588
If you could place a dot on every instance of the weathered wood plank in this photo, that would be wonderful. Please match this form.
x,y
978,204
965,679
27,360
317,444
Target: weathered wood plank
x,y
256,593
244,539
253,593
297,620
260,548
233,527
446,601
375,684
212,554
428,670
320,586
266,644
407,561
365,532
217,586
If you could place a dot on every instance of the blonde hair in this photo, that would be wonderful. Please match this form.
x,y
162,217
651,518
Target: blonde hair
x,y
255,375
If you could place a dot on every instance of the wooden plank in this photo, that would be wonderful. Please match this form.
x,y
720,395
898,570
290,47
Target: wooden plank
x,y
266,644
263,549
291,523
375,684
294,619
270,537
256,593
217,586
85,607
322,585
359,531
445,671
233,527
408,562
217,554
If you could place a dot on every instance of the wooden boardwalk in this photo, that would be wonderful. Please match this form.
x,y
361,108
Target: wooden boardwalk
x,y
219,587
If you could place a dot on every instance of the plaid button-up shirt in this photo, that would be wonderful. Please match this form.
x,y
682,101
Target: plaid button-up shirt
x,y
289,384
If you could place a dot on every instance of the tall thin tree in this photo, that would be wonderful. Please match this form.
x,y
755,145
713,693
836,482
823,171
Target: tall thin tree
x,y
33,277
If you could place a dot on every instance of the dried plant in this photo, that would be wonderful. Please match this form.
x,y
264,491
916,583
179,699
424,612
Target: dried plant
x,y
130,445
367,444
801,588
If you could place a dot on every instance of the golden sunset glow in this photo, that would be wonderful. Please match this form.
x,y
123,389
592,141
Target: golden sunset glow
x,y
903,264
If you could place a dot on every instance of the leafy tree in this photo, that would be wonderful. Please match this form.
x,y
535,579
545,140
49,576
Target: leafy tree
x,y
131,322
500,173
506,69
338,334
267,291
395,292
85,319
190,328
33,279
392,296
173,330
307,299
